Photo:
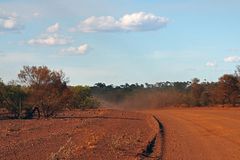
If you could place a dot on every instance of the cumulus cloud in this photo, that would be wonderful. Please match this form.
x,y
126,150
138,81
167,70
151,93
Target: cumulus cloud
x,y
9,22
140,21
80,50
53,28
50,40
232,59
211,64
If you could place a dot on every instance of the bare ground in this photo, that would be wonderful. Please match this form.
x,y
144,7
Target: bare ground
x,y
166,134
93,134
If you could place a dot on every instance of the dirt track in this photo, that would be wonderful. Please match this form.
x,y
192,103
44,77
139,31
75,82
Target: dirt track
x,y
167,134
200,134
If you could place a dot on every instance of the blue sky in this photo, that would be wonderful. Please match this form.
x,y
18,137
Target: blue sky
x,y
124,41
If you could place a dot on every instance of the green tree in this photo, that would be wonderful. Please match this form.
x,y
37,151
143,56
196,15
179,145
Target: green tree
x,y
12,97
82,98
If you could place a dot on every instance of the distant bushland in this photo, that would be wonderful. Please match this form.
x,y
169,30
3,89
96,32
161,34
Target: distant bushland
x,y
39,91
226,91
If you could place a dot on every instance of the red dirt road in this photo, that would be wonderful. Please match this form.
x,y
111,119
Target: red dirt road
x,y
200,134
166,134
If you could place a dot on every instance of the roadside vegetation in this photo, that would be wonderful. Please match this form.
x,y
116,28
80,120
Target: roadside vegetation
x,y
40,91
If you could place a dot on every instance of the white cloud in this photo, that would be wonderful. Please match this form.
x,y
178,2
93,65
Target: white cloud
x,y
211,64
49,40
140,21
53,28
232,59
80,50
9,22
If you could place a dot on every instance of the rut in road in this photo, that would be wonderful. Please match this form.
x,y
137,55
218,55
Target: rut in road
x,y
155,148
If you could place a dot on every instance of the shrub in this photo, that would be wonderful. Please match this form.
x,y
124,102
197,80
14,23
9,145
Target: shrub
x,y
82,98
12,97
48,91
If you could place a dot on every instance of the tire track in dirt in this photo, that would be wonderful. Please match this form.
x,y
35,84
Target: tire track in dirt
x,y
162,137
155,147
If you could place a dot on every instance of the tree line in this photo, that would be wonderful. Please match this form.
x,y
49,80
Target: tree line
x,y
226,91
40,91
